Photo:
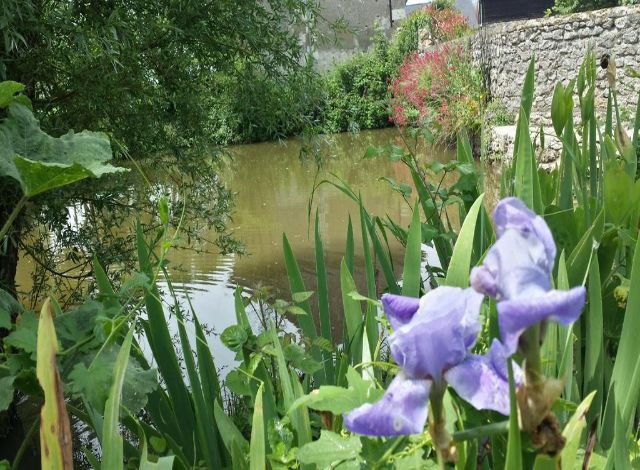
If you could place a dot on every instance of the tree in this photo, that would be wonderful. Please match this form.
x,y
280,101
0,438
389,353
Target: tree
x,y
147,72
144,70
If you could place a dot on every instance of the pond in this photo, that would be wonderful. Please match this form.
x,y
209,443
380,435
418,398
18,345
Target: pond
x,y
273,191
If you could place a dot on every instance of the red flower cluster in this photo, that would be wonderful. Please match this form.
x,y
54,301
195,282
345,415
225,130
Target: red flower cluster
x,y
439,89
446,23
422,84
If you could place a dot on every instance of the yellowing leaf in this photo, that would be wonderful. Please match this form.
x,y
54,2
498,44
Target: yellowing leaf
x,y
55,431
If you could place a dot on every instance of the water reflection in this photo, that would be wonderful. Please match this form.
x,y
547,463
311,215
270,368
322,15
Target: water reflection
x,y
273,195
273,189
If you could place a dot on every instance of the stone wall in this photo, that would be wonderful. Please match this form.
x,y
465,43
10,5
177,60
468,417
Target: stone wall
x,y
559,44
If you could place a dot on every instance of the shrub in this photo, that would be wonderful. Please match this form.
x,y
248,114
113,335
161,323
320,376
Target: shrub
x,y
572,6
439,89
262,107
440,21
356,91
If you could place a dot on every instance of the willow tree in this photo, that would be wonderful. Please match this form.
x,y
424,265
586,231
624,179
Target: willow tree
x,y
142,70
147,72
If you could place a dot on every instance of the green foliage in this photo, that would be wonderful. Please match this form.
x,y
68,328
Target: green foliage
x,y
339,400
355,91
92,383
112,457
257,447
593,215
261,107
439,22
40,162
405,41
411,271
36,162
440,90
497,114
572,6
331,449
285,397
144,71
459,266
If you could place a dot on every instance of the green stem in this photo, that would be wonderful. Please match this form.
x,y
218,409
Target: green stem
x,y
481,431
389,452
435,400
25,443
530,346
12,217
439,435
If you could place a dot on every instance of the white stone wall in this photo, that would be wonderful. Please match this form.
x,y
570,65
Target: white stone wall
x,y
559,44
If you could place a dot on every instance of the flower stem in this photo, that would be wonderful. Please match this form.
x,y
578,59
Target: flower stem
x,y
530,347
439,434
389,452
481,431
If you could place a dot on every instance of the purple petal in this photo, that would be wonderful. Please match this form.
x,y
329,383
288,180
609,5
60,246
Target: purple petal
x,y
453,302
401,410
482,380
485,281
513,214
440,334
515,266
399,309
516,315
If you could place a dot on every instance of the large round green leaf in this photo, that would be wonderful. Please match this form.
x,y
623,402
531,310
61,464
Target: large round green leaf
x,y
40,162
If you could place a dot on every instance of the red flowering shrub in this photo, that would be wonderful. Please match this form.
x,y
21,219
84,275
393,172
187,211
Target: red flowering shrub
x,y
440,22
439,89
446,23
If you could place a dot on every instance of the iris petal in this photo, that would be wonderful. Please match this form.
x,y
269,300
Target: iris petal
x,y
399,309
516,315
512,213
440,334
401,410
427,348
482,380
513,265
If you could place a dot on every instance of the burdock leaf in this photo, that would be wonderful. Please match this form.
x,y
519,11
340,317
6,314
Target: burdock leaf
x,y
40,162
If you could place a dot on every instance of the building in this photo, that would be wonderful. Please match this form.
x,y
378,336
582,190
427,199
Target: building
x,y
493,11
481,12
361,16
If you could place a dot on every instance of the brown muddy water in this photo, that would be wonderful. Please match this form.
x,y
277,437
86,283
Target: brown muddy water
x,y
273,190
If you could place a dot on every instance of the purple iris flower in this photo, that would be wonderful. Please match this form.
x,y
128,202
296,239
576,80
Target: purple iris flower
x,y
517,273
431,342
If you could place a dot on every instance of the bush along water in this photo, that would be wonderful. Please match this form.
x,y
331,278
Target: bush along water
x,y
437,23
356,92
353,95
439,89
517,349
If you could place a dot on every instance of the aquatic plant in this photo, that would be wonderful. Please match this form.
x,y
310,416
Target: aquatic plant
x,y
432,336
431,342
